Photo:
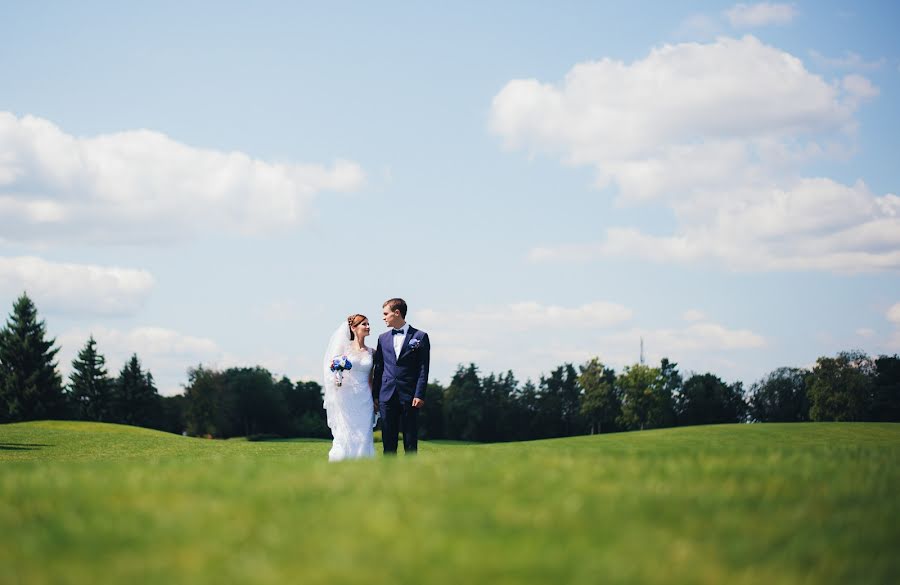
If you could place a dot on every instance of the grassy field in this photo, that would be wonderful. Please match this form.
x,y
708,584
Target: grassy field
x,y
732,504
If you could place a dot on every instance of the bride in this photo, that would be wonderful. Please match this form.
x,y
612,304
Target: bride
x,y
348,393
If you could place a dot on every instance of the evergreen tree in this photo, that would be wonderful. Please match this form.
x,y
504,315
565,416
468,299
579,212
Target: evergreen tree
x,y
463,405
90,389
526,402
30,386
512,414
559,403
135,399
431,419
886,393
669,386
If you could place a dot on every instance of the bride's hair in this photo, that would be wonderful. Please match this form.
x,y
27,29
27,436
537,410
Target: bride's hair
x,y
354,320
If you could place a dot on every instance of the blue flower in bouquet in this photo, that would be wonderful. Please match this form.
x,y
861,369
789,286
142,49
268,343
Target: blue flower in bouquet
x,y
414,344
341,363
338,365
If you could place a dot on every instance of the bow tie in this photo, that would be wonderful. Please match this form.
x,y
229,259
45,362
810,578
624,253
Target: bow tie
x,y
396,331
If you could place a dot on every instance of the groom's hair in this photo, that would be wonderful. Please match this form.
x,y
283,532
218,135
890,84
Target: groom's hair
x,y
396,305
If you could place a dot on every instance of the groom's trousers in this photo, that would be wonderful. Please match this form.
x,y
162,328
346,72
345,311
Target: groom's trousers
x,y
397,415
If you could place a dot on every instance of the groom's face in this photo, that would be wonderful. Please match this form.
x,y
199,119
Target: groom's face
x,y
392,318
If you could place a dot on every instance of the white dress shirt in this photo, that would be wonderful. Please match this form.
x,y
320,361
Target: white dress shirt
x,y
398,339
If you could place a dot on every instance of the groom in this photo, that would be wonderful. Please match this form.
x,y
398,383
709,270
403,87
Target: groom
x,y
400,377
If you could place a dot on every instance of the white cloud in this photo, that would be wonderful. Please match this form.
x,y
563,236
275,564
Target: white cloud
x,y
760,14
504,336
142,186
693,315
500,339
721,150
529,315
609,114
865,332
850,60
705,336
75,288
280,311
893,314
698,26
817,224
859,88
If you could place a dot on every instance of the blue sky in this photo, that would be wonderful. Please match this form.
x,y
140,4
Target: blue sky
x,y
224,182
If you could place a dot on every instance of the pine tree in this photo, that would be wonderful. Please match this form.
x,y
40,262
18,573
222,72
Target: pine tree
x,y
136,400
30,386
90,389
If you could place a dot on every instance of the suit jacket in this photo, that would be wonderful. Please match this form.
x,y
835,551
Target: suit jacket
x,y
407,374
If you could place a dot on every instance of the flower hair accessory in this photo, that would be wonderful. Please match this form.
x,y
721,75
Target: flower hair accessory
x,y
338,365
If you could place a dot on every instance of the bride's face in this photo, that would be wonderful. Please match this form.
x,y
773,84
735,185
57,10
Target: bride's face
x,y
362,330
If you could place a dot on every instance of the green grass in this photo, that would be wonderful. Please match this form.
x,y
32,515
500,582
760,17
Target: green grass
x,y
732,504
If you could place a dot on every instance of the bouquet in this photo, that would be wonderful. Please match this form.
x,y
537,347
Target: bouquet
x,y
338,365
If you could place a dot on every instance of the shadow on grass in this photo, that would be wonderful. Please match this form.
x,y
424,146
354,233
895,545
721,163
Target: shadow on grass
x,y
283,440
22,446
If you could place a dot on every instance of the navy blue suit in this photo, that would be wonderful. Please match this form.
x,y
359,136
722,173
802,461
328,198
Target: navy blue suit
x,y
396,381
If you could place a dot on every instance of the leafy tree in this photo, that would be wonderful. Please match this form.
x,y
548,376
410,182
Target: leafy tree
x,y
206,402
886,391
706,399
780,397
30,386
840,388
258,407
306,415
173,419
601,403
135,398
90,389
248,402
640,385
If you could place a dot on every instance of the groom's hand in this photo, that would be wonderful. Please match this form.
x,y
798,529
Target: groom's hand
x,y
418,403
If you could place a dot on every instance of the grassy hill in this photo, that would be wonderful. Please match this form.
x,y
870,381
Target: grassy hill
x,y
801,503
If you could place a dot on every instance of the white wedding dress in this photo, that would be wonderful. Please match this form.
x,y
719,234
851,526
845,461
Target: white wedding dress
x,y
349,406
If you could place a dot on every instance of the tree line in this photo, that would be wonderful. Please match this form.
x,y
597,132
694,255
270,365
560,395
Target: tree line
x,y
587,399
594,398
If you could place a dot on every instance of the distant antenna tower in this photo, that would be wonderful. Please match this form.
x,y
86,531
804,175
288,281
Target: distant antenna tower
x,y
642,351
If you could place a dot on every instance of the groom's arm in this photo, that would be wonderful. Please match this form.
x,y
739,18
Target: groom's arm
x,y
424,364
377,369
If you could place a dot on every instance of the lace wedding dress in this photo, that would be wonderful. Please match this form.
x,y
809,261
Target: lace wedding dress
x,y
349,406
